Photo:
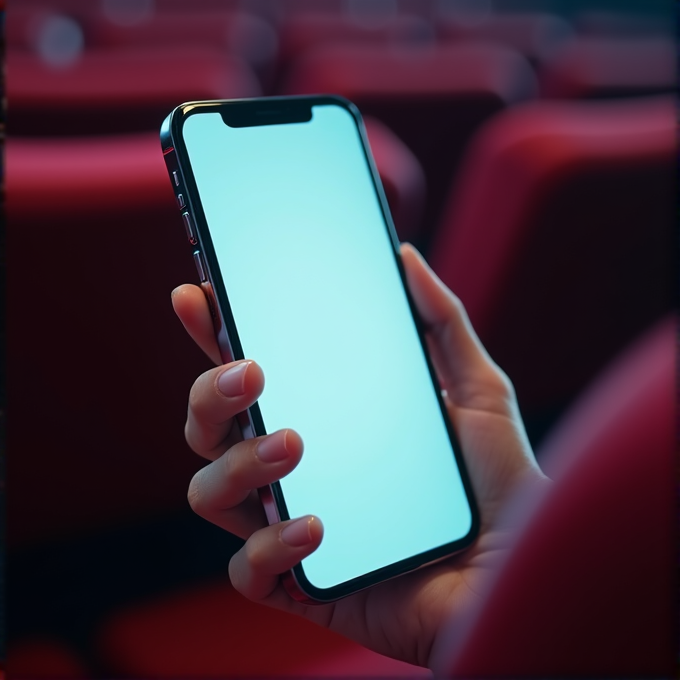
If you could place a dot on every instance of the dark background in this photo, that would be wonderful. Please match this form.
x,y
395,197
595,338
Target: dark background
x,y
98,369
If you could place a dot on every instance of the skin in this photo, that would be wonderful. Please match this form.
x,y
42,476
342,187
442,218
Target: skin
x,y
403,617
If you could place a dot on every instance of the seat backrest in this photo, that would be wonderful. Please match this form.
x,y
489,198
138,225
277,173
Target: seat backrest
x,y
535,34
606,67
237,33
402,178
303,31
100,368
557,237
587,590
115,91
432,97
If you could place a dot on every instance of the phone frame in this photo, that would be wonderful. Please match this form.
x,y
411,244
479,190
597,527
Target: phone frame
x,y
278,110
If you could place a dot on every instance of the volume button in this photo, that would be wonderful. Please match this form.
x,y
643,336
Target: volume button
x,y
200,267
212,304
189,226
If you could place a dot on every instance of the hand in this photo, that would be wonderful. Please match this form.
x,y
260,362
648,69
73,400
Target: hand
x,y
402,617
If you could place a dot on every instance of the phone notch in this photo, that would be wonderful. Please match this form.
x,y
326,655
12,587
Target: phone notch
x,y
267,112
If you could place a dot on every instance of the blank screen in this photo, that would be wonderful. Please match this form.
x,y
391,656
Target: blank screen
x,y
318,301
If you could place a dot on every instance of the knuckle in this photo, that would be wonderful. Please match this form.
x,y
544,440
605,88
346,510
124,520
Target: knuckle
x,y
241,466
456,306
201,395
236,574
256,554
233,467
195,494
189,436
505,385
456,303
196,395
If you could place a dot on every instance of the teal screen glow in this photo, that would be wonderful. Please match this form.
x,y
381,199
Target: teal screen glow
x,y
318,301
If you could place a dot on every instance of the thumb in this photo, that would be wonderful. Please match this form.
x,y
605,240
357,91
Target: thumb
x,y
470,377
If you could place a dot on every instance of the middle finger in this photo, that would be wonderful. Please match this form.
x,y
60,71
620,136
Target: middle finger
x,y
223,491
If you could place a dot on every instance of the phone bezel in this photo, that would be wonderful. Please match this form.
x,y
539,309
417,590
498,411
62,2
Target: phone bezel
x,y
277,110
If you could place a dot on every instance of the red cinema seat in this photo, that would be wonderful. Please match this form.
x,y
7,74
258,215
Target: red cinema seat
x,y
402,178
211,631
601,67
99,246
23,20
114,91
24,23
433,97
303,31
43,658
557,238
536,35
241,34
589,589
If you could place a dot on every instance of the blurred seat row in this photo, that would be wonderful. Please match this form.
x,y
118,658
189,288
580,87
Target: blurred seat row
x,y
531,158
86,71
568,62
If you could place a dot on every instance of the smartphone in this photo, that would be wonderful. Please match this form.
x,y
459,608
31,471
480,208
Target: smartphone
x,y
296,250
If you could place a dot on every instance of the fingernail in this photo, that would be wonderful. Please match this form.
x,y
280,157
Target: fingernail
x,y
297,533
272,449
232,382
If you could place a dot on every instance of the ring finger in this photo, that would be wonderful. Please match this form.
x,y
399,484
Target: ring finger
x,y
224,493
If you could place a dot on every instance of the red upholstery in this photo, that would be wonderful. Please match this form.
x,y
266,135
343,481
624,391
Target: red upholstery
x,y
23,20
212,631
22,24
609,67
588,591
303,31
448,71
41,658
535,34
402,178
238,33
107,92
433,98
557,237
99,245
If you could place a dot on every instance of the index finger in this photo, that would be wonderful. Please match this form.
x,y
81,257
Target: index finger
x,y
191,307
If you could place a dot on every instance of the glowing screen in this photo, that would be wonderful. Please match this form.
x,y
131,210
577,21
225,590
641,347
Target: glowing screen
x,y
318,302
